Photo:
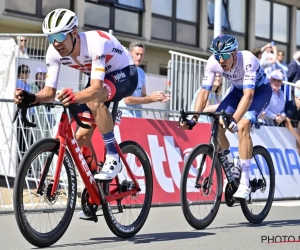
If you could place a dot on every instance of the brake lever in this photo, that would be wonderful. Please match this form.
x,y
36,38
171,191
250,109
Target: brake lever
x,y
16,115
74,113
182,117
25,120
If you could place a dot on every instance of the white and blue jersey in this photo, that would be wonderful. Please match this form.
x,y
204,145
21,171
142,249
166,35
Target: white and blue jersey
x,y
246,74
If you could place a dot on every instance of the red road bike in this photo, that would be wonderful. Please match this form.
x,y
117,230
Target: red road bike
x,y
45,189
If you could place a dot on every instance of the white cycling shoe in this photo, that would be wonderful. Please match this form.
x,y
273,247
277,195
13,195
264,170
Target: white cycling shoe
x,y
242,193
82,216
111,168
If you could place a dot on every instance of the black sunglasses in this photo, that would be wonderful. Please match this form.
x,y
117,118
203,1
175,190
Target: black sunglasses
x,y
26,71
23,40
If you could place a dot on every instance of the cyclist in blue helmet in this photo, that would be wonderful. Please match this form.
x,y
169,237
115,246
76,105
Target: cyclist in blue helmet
x,y
249,95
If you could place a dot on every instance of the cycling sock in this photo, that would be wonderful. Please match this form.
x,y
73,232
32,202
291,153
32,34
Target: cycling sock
x,y
110,142
245,176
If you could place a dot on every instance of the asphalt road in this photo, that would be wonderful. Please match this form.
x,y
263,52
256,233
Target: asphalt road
x,y
167,229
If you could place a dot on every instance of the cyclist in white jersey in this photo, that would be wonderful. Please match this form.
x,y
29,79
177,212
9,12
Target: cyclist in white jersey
x,y
98,54
249,95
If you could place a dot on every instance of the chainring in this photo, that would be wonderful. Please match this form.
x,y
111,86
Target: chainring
x,y
229,191
88,208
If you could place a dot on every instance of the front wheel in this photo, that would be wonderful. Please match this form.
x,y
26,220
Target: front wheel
x,y
126,217
43,218
263,186
200,200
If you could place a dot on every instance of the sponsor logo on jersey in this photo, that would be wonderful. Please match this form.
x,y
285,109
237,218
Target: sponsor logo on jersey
x,y
119,76
229,76
118,51
107,67
64,59
102,57
248,66
87,61
100,69
66,63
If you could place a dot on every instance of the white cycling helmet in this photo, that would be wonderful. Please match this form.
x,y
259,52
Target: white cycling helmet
x,y
59,20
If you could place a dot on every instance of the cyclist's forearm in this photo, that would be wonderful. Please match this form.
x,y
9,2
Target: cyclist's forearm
x,y
45,95
133,100
201,100
242,108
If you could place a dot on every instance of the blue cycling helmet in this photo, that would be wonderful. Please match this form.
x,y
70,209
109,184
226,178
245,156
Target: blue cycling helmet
x,y
223,44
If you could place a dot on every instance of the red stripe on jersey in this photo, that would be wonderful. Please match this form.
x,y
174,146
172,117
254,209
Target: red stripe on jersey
x,y
107,58
103,35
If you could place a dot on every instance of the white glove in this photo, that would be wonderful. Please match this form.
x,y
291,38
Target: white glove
x,y
233,126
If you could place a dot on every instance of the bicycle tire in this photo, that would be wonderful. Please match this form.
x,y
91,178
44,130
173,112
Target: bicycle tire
x,y
256,219
29,232
127,231
185,203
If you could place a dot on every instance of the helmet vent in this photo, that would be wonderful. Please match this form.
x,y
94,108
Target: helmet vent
x,y
61,15
50,19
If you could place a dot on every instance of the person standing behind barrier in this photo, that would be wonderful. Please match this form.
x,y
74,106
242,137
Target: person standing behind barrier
x,y
23,135
275,109
214,98
293,74
21,50
292,110
139,97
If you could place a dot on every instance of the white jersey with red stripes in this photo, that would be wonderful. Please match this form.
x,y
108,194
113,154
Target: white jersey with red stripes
x,y
100,53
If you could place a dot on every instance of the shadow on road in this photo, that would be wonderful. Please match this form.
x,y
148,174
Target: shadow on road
x,y
271,223
140,239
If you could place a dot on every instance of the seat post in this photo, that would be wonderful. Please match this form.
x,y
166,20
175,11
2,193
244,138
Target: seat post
x,y
114,111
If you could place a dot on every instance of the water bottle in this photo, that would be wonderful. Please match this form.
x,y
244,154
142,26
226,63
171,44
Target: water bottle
x,y
227,167
88,156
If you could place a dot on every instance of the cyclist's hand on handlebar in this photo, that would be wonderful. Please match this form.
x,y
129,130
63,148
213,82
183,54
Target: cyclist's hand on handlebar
x,y
188,124
233,126
67,97
23,98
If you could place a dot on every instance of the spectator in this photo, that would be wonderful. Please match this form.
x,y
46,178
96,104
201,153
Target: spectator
x,y
40,77
257,52
23,135
214,98
275,110
292,110
281,64
23,74
139,97
269,53
293,74
21,50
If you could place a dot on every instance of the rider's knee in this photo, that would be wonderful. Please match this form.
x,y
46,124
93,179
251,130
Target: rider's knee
x,y
244,127
95,104
83,135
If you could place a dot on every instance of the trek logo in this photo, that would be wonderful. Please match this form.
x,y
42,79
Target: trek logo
x,y
107,67
83,162
248,66
118,51
119,76
102,57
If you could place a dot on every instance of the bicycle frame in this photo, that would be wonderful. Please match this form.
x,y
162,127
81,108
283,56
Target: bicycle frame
x,y
65,135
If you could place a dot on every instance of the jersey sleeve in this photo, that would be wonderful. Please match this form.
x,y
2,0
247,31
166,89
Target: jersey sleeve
x,y
99,52
209,74
53,66
251,68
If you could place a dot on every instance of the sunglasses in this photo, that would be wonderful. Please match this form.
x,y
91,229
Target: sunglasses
x,y
59,37
26,71
23,40
225,56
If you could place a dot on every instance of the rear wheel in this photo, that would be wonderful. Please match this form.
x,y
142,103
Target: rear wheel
x,y
263,186
126,217
41,217
200,201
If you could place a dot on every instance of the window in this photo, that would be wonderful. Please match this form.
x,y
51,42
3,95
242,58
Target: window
x,y
233,20
298,28
36,8
119,15
211,14
272,21
272,24
175,21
